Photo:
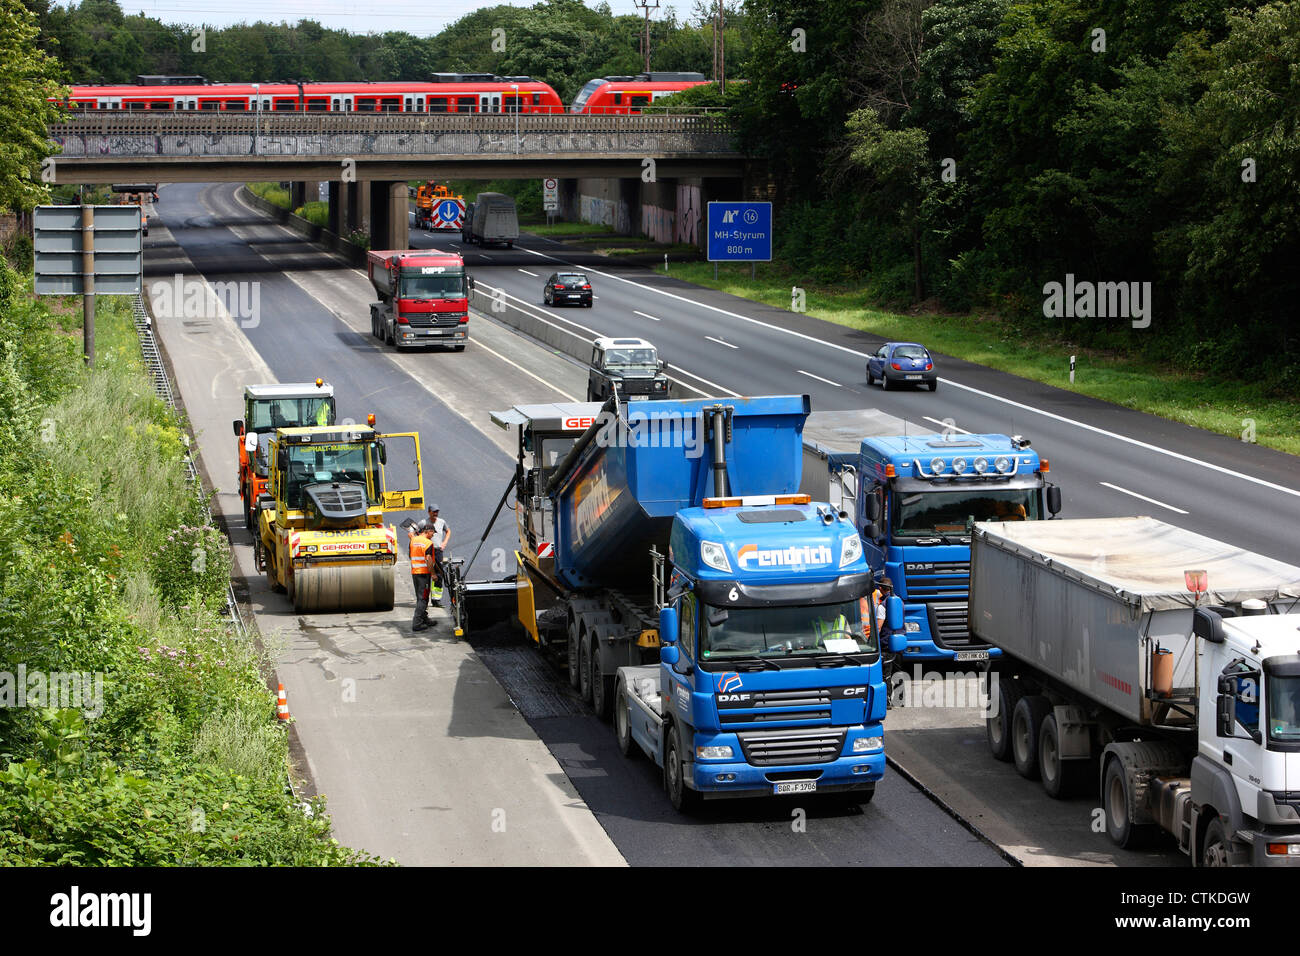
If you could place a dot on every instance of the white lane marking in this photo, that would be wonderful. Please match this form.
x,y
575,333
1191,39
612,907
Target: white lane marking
x,y
1152,501
1178,456
948,425
720,342
537,313
551,385
527,273
724,391
645,315
486,256
819,378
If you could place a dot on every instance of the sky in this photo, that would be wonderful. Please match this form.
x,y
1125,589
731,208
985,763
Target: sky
x,y
423,18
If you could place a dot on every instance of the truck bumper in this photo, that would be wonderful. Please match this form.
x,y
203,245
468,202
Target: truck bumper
x,y
721,779
1259,855
417,340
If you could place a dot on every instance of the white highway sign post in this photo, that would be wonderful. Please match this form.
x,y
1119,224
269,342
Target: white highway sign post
x,y
550,196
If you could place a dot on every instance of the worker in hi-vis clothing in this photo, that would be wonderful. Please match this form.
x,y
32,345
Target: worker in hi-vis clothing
x,y
438,531
421,546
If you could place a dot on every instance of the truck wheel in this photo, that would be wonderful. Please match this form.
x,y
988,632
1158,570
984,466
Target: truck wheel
x,y
1060,777
682,797
1115,802
998,727
1217,847
573,647
1026,723
623,722
602,687
584,668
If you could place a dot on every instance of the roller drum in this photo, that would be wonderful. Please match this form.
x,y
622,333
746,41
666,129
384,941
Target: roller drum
x,y
349,587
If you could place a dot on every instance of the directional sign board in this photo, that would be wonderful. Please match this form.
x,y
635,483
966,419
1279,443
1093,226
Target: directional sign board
x,y
119,250
450,214
550,194
740,232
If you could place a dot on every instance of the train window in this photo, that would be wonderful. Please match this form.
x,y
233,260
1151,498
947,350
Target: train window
x,y
512,104
419,104
465,104
640,100
537,99
437,104
266,104
347,103
483,104
209,104
285,104
391,104
135,105
236,105
406,104
318,104
618,99
365,104
334,104
160,104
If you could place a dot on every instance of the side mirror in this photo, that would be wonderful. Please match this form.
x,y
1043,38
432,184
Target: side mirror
x,y
383,453
873,508
668,628
282,459
669,654
1225,711
896,642
871,530
250,442
662,365
239,427
894,613
471,282
1208,626
1054,500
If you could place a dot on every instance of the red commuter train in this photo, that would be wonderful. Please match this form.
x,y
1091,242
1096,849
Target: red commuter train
x,y
446,93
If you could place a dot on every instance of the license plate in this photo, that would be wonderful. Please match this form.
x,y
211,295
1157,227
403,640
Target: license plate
x,y
913,377
972,655
795,786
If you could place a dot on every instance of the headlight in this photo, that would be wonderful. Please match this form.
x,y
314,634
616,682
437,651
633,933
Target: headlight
x,y
715,556
981,465
863,744
911,627
1002,463
936,465
718,753
959,465
850,550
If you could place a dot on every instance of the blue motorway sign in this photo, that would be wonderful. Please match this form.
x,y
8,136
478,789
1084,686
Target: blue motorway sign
x,y
740,231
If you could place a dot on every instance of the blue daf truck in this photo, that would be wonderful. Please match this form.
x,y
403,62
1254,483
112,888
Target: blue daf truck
x,y
698,598
915,496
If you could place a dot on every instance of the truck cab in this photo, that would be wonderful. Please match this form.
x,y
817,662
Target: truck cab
x,y
916,497
630,367
1248,761
266,408
770,678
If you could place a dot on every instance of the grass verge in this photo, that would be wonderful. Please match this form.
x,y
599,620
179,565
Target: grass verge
x,y
271,192
136,728
1239,409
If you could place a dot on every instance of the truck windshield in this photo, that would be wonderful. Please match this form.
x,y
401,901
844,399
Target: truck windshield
x,y
924,514
626,357
1284,709
345,461
444,285
289,413
782,631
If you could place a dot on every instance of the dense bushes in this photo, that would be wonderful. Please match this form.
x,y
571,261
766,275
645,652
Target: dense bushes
x,y
164,748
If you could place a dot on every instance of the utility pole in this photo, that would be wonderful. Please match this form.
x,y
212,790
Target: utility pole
x,y
645,43
719,49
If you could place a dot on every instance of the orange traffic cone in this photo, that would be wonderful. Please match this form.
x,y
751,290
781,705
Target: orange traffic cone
x,y
282,705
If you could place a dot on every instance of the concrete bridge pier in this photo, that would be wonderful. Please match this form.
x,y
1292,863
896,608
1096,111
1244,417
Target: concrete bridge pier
x,y
390,224
302,192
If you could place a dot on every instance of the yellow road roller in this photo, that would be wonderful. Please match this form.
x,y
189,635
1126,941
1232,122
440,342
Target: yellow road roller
x,y
321,533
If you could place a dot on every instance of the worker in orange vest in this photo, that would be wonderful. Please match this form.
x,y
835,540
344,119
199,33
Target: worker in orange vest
x,y
421,568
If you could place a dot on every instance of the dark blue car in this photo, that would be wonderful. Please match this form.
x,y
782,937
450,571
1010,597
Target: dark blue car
x,y
902,363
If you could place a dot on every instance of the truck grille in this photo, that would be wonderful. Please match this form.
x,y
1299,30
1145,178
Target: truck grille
x,y
950,626
434,320
936,580
815,745
810,704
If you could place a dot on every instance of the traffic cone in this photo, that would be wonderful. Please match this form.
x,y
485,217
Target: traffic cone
x,y
282,705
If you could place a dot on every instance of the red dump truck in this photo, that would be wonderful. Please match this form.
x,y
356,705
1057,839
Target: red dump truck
x,y
423,298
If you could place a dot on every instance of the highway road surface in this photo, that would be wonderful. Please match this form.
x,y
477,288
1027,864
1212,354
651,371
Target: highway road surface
x,y
430,750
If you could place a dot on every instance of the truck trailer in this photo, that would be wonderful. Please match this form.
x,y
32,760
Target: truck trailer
x,y
1162,665
666,554
915,497
423,298
492,221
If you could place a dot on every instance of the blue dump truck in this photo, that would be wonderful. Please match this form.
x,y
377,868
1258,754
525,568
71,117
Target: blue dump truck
x,y
916,496
666,555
